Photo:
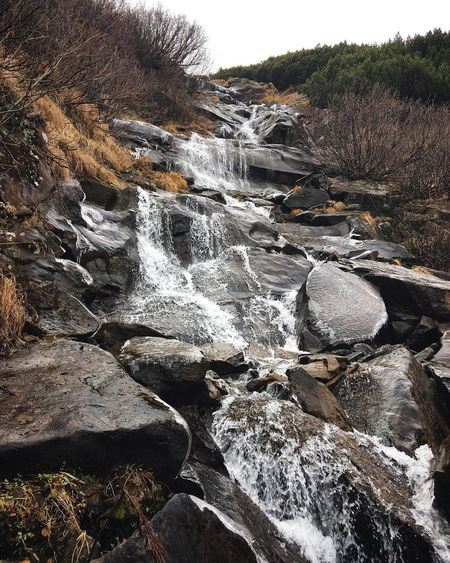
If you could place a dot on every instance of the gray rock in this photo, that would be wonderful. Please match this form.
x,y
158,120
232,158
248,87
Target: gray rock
x,y
346,246
165,366
223,493
391,397
69,403
224,358
305,198
246,90
425,294
141,132
441,476
186,529
65,315
316,399
335,308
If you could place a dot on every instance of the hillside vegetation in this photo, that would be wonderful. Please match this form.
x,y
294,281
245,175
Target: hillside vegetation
x,y
417,67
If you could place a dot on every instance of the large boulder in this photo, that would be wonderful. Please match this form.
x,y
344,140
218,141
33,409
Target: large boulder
x,y
69,403
111,336
391,397
311,477
246,90
335,307
170,368
316,399
305,198
187,530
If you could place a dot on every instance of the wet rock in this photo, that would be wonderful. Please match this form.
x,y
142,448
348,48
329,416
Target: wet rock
x,y
100,194
224,358
186,529
305,198
224,494
415,292
335,307
203,449
425,333
141,133
247,90
276,127
346,247
170,368
261,383
391,397
111,336
316,399
297,234
278,163
69,403
64,315
441,476
369,195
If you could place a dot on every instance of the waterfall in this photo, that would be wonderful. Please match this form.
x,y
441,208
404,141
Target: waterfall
x,y
216,164
166,289
302,482
323,488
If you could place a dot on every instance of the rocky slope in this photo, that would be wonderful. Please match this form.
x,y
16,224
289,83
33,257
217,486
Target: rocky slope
x,y
276,363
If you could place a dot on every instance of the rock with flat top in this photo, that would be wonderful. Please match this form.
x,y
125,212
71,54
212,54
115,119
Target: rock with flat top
x,y
64,402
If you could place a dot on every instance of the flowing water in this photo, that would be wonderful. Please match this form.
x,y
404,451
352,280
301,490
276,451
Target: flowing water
x,y
214,292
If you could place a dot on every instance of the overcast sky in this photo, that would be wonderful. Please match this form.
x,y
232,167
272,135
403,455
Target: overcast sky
x,y
248,31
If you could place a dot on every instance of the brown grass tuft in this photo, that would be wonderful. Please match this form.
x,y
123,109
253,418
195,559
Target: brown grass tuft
x,y
171,182
82,145
289,98
12,314
56,516
295,212
334,207
368,218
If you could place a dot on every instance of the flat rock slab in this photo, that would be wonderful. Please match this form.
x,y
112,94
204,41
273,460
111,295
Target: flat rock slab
x,y
164,366
422,292
348,247
66,402
336,307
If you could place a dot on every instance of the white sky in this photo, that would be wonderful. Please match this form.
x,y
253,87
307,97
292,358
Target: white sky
x,y
249,31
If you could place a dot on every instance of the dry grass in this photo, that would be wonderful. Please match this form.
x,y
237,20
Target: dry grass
x,y
198,124
367,217
66,516
80,145
142,172
295,212
421,270
170,182
12,314
289,98
334,207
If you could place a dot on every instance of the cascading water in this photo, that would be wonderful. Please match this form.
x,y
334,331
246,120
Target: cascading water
x,y
310,486
312,482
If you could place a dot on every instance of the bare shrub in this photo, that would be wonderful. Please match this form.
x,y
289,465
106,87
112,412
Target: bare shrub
x,y
12,314
381,138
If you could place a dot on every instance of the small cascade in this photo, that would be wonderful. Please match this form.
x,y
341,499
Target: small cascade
x,y
166,290
218,164
309,480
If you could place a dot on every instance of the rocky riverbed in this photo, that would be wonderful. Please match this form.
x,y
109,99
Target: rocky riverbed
x,y
256,343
